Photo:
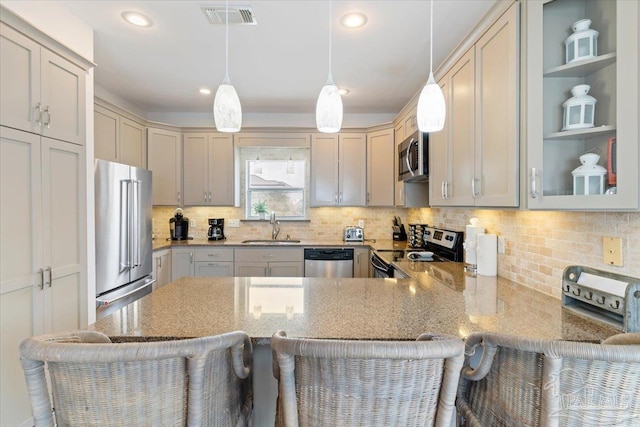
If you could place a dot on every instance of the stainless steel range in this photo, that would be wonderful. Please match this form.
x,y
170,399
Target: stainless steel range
x,y
438,245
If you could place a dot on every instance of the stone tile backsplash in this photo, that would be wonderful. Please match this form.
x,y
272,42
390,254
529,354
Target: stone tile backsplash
x,y
539,244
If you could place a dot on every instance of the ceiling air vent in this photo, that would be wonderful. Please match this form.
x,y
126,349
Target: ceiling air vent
x,y
242,15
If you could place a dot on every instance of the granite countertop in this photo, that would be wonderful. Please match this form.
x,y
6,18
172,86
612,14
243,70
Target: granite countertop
x,y
439,298
164,244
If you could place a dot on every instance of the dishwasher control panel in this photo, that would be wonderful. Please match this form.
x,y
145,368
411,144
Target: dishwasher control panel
x,y
353,234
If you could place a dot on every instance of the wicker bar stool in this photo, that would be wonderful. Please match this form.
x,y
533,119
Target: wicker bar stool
x,y
527,382
366,383
194,382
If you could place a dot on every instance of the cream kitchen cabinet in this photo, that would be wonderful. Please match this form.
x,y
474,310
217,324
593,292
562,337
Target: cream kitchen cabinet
x,y
474,159
165,161
553,153
271,262
42,92
161,268
182,262
118,138
214,262
338,169
208,167
42,251
361,262
380,168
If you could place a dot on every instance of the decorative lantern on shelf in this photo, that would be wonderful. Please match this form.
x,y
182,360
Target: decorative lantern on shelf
x,y
588,178
579,110
583,43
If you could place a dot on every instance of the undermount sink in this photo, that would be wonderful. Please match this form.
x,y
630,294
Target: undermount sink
x,y
270,242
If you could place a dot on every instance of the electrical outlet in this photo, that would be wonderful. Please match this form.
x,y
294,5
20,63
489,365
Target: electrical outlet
x,y
502,244
234,223
192,223
612,250
361,223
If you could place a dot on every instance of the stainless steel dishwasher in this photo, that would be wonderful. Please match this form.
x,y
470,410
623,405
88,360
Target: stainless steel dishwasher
x,y
328,262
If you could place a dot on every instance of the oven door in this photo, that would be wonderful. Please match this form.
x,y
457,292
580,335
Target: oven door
x,y
380,268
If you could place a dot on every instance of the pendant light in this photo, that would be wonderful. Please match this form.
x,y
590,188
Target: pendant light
x,y
329,105
227,111
431,107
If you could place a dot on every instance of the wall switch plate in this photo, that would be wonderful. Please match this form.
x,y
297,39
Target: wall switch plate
x,y
192,223
234,223
502,244
361,223
612,248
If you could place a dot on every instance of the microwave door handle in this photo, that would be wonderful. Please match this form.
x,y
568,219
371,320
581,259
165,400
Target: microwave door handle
x,y
409,156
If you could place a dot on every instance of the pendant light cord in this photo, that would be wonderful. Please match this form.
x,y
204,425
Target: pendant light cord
x,y
226,52
330,79
431,42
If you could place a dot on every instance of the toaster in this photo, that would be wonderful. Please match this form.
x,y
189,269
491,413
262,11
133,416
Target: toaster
x,y
353,234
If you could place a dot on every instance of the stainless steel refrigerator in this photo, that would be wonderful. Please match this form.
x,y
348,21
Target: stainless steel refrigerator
x,y
123,235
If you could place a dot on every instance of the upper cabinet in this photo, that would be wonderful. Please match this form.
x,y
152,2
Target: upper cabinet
x,y
42,92
208,169
165,161
553,150
474,160
118,138
338,169
380,167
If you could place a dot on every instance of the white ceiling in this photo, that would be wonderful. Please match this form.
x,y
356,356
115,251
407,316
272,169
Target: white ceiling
x,y
279,65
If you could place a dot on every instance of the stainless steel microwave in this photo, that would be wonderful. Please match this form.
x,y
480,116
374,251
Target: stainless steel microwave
x,y
413,157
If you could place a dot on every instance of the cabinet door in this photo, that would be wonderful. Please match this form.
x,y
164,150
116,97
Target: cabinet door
x,y
462,131
361,262
196,182
19,80
399,185
324,170
182,263
380,168
353,170
64,236
214,269
105,134
439,159
251,269
286,269
62,94
220,170
161,268
497,118
132,143
165,161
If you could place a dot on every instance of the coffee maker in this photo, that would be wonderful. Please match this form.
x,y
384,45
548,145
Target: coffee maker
x,y
216,229
179,226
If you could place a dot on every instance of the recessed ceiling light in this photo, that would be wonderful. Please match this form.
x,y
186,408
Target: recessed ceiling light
x,y
343,91
205,91
353,20
137,19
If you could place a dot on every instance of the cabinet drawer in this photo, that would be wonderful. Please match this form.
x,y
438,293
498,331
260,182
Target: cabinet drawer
x,y
270,254
214,254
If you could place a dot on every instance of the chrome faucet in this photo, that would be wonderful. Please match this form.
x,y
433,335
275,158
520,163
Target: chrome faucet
x,y
276,226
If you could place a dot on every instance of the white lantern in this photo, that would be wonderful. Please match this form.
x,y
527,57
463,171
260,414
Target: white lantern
x,y
588,178
579,110
583,43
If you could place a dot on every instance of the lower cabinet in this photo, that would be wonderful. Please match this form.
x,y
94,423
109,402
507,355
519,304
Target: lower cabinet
x,y
272,262
361,263
182,262
161,268
214,262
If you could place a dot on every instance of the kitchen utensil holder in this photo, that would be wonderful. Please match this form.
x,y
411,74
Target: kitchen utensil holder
x,y
619,311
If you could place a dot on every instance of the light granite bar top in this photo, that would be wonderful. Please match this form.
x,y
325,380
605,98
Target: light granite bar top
x,y
439,298
198,242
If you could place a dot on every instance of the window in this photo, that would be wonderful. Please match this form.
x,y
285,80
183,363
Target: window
x,y
275,186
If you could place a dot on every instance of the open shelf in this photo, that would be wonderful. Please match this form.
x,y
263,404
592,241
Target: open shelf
x,y
580,133
582,68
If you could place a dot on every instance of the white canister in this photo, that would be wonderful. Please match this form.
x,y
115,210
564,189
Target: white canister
x,y
471,241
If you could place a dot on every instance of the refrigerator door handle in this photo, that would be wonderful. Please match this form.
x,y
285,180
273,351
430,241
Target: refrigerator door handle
x,y
125,243
106,302
135,223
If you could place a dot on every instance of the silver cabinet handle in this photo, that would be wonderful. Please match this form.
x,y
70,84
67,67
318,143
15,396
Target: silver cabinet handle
x,y
41,278
474,193
47,121
533,189
205,196
209,196
335,197
190,257
213,255
442,186
178,197
38,113
340,197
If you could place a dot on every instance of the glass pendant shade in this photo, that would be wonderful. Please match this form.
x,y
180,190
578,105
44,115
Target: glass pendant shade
x,y
227,111
329,109
432,110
